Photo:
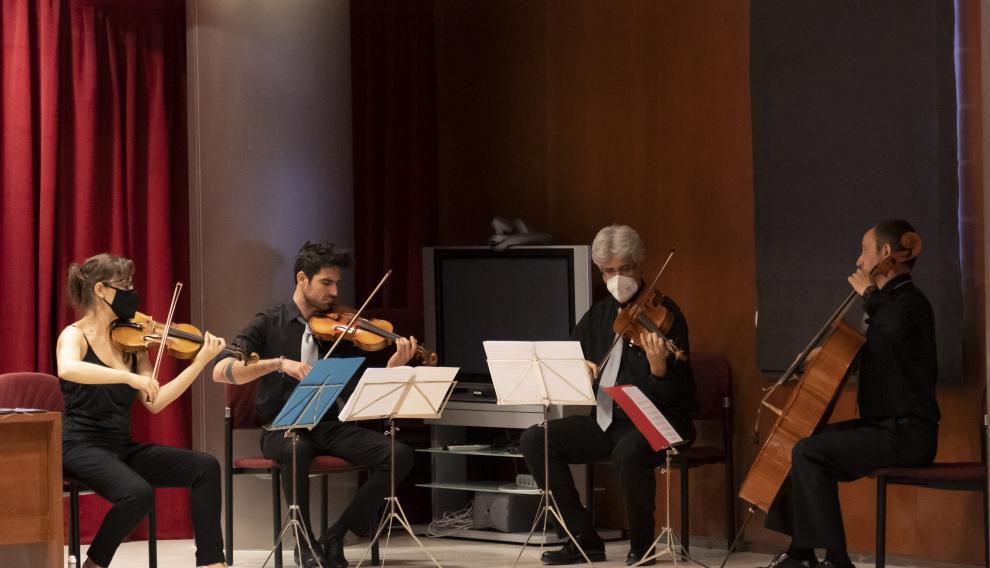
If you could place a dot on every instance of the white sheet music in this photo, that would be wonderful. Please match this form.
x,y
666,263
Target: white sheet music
x,y
399,392
528,372
652,413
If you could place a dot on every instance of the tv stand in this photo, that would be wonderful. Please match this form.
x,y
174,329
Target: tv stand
x,y
449,483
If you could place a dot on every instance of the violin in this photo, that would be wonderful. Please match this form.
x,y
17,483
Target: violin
x,y
367,333
184,340
647,314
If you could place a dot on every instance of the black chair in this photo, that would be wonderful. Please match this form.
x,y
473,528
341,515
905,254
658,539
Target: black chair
x,y
713,378
949,476
40,390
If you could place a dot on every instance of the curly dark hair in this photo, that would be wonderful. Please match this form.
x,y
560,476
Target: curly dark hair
x,y
314,256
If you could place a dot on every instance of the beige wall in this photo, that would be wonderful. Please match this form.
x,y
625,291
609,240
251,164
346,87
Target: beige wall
x,y
270,167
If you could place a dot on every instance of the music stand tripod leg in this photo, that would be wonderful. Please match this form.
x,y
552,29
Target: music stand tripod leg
x,y
549,503
394,508
293,519
667,533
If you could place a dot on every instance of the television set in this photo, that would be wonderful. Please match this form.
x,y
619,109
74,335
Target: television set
x,y
475,294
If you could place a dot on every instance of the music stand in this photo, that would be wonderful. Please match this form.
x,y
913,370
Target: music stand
x,y
307,404
399,392
545,373
661,435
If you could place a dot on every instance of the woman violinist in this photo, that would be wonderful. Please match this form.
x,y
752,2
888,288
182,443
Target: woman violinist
x,y
99,383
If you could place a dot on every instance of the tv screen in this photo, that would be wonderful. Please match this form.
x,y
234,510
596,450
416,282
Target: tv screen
x,y
525,294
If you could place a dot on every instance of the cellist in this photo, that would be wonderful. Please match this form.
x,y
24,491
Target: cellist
x,y
898,412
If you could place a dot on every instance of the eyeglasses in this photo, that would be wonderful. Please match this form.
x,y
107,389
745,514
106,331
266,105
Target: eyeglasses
x,y
625,270
125,286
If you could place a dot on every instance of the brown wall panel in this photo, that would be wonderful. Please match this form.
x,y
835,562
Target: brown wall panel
x,y
575,114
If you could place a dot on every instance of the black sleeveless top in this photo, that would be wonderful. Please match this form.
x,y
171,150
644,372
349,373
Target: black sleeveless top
x,y
97,412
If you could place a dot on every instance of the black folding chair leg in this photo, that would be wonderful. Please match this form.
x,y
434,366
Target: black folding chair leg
x,y
152,537
277,515
685,509
228,529
324,513
881,521
74,545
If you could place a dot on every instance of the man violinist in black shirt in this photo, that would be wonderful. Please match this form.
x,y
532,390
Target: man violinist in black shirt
x,y
281,336
898,412
666,380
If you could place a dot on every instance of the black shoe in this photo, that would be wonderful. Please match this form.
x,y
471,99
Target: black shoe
x,y
333,546
782,560
591,543
635,556
829,564
308,560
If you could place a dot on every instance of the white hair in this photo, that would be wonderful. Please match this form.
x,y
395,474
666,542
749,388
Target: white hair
x,y
617,241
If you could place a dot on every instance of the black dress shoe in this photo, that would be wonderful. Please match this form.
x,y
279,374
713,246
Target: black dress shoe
x,y
307,560
591,543
829,564
782,560
635,556
333,547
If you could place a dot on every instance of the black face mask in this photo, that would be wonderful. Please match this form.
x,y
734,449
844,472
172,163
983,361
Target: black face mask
x,y
125,303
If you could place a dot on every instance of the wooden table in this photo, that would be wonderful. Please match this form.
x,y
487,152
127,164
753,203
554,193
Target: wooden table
x,y
31,490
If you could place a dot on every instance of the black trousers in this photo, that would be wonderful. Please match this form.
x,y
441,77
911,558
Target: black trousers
x,y
358,445
578,440
125,475
807,507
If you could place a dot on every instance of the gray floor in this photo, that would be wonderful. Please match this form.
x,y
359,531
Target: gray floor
x,y
449,552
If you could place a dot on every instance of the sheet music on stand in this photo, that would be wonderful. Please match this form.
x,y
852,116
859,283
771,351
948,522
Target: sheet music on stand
x,y
308,403
316,393
645,416
539,372
662,437
544,373
398,392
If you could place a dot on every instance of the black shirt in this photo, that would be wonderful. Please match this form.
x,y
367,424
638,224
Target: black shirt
x,y
97,412
674,394
898,363
278,332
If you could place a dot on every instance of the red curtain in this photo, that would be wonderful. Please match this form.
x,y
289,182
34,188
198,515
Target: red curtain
x,y
395,146
93,159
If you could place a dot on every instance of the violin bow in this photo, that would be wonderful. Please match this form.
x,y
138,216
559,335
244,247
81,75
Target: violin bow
x,y
168,326
357,317
618,336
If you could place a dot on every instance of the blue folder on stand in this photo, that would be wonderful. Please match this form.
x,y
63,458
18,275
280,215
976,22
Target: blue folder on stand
x,y
316,393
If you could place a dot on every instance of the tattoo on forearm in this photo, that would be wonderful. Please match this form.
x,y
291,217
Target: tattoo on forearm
x,y
228,372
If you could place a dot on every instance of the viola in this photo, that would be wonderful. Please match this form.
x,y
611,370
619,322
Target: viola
x,y
647,314
184,340
368,334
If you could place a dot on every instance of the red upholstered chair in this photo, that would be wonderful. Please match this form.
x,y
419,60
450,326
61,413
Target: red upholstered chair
x,y
239,414
713,379
950,476
40,390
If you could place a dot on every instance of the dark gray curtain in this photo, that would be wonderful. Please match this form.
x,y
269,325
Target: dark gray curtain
x,y
854,121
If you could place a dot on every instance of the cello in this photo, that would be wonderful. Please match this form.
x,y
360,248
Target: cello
x,y
813,399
